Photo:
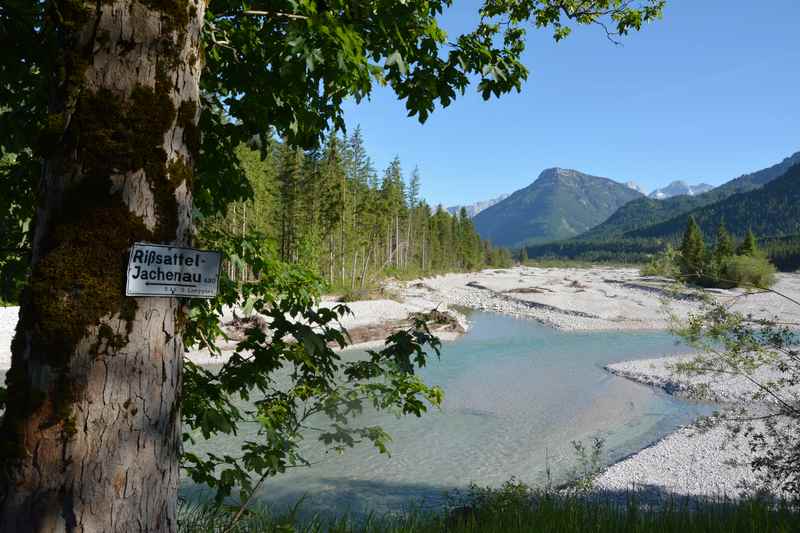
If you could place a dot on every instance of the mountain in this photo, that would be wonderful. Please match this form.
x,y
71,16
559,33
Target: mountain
x,y
645,212
635,186
560,204
770,211
677,188
477,207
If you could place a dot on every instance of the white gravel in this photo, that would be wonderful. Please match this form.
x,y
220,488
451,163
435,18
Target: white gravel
x,y
689,462
596,299
719,388
710,463
364,313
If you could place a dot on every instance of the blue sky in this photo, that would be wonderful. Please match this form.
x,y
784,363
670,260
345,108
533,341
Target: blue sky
x,y
706,94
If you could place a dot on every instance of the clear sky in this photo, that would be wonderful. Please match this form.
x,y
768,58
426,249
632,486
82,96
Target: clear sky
x,y
708,93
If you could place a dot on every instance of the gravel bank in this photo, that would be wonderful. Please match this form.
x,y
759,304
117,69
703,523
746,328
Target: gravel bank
x,y
687,462
8,323
690,462
592,299
706,463
370,313
716,388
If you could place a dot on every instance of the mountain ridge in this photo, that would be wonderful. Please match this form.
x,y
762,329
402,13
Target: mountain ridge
x,y
644,212
476,207
560,203
772,210
678,188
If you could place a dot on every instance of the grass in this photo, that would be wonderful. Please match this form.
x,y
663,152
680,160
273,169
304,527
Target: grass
x,y
515,509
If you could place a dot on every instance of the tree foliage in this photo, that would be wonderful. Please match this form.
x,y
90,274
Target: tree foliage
x,y
725,265
331,211
693,251
285,371
288,66
725,246
749,246
763,352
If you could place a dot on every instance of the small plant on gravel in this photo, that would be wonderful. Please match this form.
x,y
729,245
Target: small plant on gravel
x,y
590,463
664,264
764,353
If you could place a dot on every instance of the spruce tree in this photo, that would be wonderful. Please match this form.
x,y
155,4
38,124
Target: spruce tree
x,y
693,250
523,255
725,245
749,246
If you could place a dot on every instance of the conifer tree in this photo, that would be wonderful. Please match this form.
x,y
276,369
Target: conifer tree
x,y
725,246
693,250
290,182
523,255
749,246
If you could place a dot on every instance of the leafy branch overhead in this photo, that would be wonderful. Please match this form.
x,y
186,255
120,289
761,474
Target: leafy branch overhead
x,y
337,49
287,66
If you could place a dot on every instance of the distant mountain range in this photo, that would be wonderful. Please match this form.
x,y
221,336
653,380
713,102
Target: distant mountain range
x,y
477,207
635,186
678,188
644,212
564,205
561,203
766,201
772,210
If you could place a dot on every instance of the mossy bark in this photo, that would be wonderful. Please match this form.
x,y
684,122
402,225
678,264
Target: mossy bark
x,y
90,440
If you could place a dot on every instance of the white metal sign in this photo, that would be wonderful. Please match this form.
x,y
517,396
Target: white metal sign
x,y
157,270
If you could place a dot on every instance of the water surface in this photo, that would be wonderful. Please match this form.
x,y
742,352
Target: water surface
x,y
516,395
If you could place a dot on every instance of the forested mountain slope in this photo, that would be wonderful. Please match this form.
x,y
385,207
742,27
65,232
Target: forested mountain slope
x,y
559,204
645,212
770,211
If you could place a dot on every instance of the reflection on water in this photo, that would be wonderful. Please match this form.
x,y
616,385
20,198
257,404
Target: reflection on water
x,y
516,395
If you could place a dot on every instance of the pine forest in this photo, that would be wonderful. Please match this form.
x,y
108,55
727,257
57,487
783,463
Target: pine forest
x,y
330,210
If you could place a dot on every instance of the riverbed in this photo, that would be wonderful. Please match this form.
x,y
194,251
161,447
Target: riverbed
x,y
517,394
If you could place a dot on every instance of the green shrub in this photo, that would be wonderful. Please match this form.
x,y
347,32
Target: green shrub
x,y
747,271
665,264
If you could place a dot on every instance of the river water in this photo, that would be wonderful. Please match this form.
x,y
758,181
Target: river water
x,y
516,395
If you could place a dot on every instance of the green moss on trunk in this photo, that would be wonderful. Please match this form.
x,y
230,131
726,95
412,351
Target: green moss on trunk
x,y
79,277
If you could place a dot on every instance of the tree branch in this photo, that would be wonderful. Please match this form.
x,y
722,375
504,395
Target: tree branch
x,y
276,14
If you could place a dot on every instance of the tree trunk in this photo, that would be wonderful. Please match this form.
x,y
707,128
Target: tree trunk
x,y
408,242
364,272
423,249
353,277
397,241
91,436
331,256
